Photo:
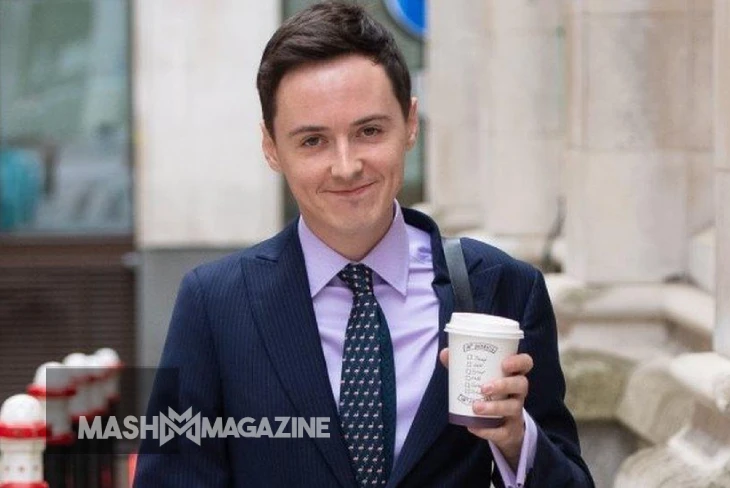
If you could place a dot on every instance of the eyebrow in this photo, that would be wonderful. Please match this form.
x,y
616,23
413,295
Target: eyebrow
x,y
306,128
319,128
371,118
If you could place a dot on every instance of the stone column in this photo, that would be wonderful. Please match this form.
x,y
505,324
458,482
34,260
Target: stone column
x,y
455,50
201,177
521,99
700,112
722,175
203,188
632,122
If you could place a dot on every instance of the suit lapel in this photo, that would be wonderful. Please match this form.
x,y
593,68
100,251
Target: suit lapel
x,y
283,312
432,415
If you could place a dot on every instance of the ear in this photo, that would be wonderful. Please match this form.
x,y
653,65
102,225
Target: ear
x,y
269,148
412,124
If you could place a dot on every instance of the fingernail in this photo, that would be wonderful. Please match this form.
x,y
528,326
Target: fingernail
x,y
488,389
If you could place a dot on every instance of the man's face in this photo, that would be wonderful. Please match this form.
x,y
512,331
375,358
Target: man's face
x,y
340,140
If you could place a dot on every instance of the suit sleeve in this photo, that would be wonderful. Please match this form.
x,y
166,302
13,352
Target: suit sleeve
x,y
189,354
557,460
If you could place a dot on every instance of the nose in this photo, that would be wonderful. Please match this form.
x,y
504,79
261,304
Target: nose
x,y
346,166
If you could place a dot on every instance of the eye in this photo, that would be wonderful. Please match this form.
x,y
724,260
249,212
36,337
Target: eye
x,y
371,131
312,141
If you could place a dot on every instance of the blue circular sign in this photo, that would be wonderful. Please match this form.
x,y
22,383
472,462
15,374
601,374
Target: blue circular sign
x,y
409,14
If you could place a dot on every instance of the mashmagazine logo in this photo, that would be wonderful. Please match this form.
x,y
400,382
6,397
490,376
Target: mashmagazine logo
x,y
196,427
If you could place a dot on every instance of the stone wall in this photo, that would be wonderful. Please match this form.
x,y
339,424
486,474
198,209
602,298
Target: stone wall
x,y
640,155
201,179
629,362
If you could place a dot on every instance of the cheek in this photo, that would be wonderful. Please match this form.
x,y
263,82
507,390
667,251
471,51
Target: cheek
x,y
395,164
303,182
389,158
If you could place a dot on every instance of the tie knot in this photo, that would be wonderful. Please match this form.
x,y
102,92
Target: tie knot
x,y
358,277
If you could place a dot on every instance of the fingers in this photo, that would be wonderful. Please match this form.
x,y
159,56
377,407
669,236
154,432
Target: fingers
x,y
444,357
505,397
509,407
512,392
517,364
512,386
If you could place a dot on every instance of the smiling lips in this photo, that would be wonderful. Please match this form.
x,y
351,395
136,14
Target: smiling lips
x,y
354,191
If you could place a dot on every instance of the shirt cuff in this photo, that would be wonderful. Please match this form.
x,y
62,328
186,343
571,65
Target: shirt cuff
x,y
527,456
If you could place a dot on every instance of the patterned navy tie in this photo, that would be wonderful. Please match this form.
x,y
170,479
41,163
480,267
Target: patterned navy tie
x,y
367,384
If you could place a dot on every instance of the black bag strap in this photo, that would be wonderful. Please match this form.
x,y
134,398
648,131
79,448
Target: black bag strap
x,y
459,276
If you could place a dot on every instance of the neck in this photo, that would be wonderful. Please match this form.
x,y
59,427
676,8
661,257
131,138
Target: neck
x,y
356,246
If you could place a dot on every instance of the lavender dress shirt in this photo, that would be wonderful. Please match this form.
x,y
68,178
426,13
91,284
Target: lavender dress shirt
x,y
402,278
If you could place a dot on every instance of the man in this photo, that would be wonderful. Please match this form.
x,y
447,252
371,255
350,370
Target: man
x,y
341,315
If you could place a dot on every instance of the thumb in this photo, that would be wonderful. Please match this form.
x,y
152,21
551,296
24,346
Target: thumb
x,y
444,357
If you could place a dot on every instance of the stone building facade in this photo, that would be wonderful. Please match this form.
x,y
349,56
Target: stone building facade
x,y
618,109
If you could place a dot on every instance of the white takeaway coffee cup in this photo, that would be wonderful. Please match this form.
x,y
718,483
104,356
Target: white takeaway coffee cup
x,y
478,343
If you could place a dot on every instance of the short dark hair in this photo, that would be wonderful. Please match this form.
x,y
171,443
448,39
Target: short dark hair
x,y
325,31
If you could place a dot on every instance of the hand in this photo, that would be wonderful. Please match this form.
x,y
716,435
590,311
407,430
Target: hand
x,y
513,388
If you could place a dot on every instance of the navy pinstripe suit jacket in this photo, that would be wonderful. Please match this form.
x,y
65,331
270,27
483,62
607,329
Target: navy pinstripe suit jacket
x,y
244,339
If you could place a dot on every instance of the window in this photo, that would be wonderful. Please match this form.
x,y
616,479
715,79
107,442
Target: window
x,y
65,159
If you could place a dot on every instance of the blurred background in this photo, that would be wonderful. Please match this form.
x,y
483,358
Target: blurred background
x,y
588,137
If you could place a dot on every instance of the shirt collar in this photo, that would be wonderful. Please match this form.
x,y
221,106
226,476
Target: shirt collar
x,y
389,259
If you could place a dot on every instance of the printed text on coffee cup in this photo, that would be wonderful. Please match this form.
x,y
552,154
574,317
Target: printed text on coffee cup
x,y
477,358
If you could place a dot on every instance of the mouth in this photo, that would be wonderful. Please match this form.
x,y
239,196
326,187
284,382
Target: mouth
x,y
353,192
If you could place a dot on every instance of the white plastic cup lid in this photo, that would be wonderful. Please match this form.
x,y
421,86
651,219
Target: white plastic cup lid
x,y
483,325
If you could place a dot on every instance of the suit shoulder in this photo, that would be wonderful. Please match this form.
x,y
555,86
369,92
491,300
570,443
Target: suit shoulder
x,y
217,268
229,267
517,280
512,269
